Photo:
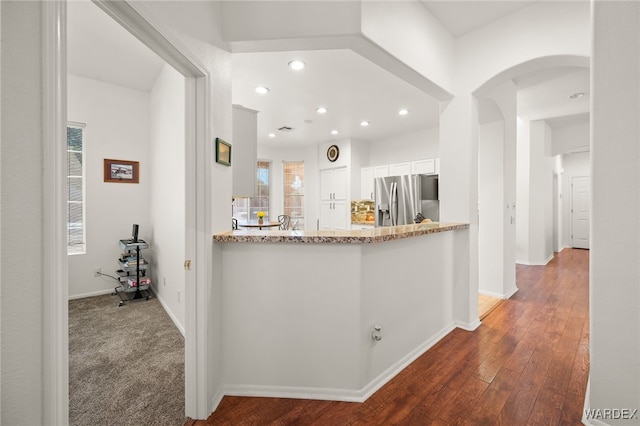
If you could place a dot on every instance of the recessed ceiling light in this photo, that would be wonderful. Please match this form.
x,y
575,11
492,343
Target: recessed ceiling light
x,y
321,110
364,123
576,95
272,135
403,111
262,90
296,65
334,132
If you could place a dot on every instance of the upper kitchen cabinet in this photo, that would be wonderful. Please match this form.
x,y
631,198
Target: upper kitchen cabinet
x,y
244,151
366,183
400,169
380,171
333,184
425,167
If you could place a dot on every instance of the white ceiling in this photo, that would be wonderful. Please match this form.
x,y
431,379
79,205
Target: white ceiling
x,y
541,100
351,87
100,49
462,16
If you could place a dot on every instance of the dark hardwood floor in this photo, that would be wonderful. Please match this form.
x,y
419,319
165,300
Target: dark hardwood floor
x,y
527,364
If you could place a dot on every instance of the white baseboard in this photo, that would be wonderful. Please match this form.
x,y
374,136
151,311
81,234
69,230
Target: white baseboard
x,y
328,394
529,263
468,326
511,292
217,399
505,296
294,392
492,294
169,312
93,293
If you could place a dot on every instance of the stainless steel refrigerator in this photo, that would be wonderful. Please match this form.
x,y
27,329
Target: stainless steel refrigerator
x,y
402,200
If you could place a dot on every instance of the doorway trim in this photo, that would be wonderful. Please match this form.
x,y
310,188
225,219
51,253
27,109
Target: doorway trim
x,y
197,100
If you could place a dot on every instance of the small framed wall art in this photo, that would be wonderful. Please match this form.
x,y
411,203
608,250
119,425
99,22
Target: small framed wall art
x,y
121,171
223,152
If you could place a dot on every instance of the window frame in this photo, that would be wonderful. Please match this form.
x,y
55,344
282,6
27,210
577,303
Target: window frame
x,y
299,219
77,249
245,205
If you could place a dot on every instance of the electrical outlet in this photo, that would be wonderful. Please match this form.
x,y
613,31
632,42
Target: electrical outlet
x,y
178,295
96,272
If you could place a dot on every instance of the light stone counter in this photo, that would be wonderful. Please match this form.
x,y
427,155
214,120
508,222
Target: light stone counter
x,y
360,236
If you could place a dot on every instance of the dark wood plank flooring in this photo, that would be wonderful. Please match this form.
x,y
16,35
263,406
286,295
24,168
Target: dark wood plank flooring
x,y
527,364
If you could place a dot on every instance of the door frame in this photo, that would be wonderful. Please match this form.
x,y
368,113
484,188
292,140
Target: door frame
x,y
197,201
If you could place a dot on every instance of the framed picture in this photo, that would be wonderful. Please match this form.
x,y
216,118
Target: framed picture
x,y
121,171
223,152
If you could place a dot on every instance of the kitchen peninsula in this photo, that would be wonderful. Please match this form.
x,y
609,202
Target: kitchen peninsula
x,y
336,314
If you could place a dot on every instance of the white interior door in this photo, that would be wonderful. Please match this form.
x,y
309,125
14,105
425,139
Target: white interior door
x,y
580,211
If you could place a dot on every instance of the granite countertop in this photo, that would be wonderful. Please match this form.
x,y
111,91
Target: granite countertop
x,y
360,236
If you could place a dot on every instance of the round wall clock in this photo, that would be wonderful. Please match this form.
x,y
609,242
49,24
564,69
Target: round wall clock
x,y
333,153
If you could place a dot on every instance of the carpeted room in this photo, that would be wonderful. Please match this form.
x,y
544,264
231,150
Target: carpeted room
x,y
125,363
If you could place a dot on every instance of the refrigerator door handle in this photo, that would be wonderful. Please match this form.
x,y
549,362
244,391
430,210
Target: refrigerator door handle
x,y
393,208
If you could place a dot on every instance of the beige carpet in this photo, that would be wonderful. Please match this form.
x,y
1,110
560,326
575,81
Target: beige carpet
x,y
126,364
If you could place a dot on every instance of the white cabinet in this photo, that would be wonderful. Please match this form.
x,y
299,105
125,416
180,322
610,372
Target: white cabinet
x,y
245,151
425,167
380,171
366,183
334,213
333,184
400,169
359,226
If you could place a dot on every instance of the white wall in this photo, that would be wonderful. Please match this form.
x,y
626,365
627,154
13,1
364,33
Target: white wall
x,y
561,28
399,27
117,120
614,371
327,350
249,21
198,27
167,192
572,137
534,232
544,177
21,297
497,194
523,160
490,208
403,148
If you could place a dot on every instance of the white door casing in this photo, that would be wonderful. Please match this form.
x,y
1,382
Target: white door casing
x,y
197,76
580,211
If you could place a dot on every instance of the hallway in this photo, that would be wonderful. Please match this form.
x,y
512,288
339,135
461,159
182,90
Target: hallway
x,y
528,363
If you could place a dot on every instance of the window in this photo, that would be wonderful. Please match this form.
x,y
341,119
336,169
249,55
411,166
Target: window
x,y
245,209
294,191
76,243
